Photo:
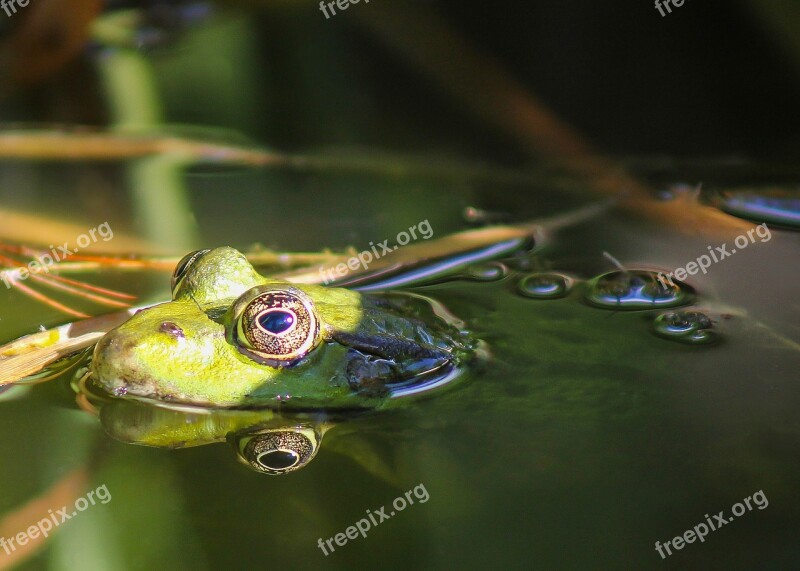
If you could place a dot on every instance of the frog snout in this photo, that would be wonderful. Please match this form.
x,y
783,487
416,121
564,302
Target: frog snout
x,y
109,362
119,364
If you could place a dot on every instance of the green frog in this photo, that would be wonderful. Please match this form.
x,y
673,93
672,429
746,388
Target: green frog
x,y
232,338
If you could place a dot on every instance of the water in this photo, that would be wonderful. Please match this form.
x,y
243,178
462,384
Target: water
x,y
603,422
585,438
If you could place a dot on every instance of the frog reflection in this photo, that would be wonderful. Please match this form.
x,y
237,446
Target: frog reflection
x,y
264,440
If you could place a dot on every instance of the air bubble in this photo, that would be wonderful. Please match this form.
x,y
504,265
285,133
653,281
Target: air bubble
x,y
489,272
692,327
545,285
778,206
636,289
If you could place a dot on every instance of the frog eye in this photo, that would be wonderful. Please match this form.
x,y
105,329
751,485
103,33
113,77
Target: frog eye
x,y
277,452
183,267
276,327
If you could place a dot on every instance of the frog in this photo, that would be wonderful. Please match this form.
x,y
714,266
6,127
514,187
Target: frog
x,y
231,338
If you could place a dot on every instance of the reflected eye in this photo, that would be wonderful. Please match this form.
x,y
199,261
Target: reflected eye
x,y
277,451
278,460
276,327
183,267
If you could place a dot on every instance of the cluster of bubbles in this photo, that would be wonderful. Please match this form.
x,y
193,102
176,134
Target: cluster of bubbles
x,y
630,290
618,290
640,289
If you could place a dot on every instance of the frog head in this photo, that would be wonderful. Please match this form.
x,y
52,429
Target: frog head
x,y
233,338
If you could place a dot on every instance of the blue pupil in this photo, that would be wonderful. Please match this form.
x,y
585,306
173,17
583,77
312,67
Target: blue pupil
x,y
276,322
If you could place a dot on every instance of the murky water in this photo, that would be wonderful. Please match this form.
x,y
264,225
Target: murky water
x,y
616,410
583,441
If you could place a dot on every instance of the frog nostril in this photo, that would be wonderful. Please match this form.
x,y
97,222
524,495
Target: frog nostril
x,y
171,329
